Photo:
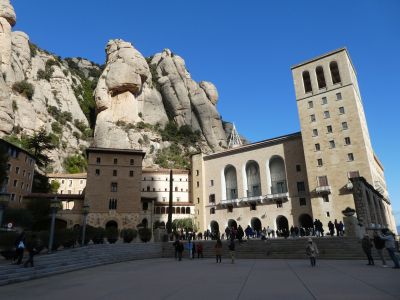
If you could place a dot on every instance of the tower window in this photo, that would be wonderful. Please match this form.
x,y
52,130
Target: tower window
x,y
310,104
332,144
253,206
114,186
341,110
333,66
312,118
114,172
130,173
317,147
324,100
307,82
329,129
132,161
315,132
211,198
298,168
326,114
347,141
98,160
302,202
301,186
115,161
320,77
350,156
344,126
338,96
97,172
230,209
319,162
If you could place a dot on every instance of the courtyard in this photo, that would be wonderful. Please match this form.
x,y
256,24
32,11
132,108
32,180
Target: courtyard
x,y
204,279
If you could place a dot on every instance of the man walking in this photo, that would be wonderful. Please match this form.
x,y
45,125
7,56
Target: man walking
x,y
232,250
379,246
390,246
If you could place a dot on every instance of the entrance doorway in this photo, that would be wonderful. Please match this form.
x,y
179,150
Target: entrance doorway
x,y
282,224
111,224
305,221
256,224
232,223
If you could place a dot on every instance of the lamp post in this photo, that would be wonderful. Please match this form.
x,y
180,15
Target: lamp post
x,y
54,205
85,213
4,198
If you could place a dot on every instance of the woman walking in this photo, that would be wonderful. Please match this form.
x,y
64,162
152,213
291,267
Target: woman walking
x,y
312,251
366,244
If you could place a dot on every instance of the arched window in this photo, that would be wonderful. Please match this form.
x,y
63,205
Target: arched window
x,y
178,210
333,66
277,175
307,82
188,210
173,210
158,210
253,179
231,182
320,77
162,210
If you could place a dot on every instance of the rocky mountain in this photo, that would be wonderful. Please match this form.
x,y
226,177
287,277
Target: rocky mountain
x,y
132,102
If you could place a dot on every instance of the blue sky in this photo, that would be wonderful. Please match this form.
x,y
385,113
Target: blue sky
x,y
246,48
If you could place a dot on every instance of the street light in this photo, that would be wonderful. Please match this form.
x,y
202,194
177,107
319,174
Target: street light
x,y
4,198
54,205
85,211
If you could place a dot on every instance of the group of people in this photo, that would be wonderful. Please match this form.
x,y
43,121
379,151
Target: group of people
x,y
192,248
381,240
21,244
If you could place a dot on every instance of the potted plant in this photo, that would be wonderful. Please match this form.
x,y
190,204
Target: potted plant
x,y
144,234
7,240
128,234
348,212
98,235
112,235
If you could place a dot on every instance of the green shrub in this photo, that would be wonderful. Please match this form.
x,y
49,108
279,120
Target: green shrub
x,y
80,125
173,157
75,164
56,127
33,48
24,88
55,185
112,234
98,235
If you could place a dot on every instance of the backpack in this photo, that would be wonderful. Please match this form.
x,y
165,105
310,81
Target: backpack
x,y
21,245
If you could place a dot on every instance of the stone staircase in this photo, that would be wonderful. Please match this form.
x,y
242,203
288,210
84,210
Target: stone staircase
x,y
76,259
329,248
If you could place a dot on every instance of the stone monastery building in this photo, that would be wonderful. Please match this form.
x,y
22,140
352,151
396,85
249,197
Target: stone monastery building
x,y
313,174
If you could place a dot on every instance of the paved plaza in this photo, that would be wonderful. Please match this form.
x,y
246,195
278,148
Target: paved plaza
x,y
204,279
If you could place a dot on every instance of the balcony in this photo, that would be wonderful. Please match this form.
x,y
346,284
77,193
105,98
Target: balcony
x,y
325,189
279,191
277,196
231,202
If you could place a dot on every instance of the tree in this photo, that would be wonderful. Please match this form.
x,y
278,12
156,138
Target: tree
x,y
55,185
75,164
39,143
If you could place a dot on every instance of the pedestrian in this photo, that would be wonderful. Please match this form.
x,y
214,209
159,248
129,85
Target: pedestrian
x,y
176,244
32,246
312,251
218,250
336,227
331,228
388,237
193,250
180,250
341,228
366,244
379,246
199,250
19,248
232,250
240,234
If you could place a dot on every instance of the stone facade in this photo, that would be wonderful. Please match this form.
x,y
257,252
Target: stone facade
x,y
21,168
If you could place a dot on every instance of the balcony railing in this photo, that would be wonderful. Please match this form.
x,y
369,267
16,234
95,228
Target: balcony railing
x,y
326,189
278,196
279,187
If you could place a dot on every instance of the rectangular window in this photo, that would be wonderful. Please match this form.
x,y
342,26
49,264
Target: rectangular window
x,y
298,168
302,202
322,181
325,198
312,118
253,206
328,214
344,126
315,132
212,182
114,172
114,186
98,160
326,114
131,161
353,174
319,162
317,147
310,104
198,200
198,184
97,172
12,197
324,101
341,110
301,186
279,203
17,170
338,96
350,156
15,183
115,161
145,206
329,129
130,173
197,172
230,209
148,188
332,144
211,198
347,141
